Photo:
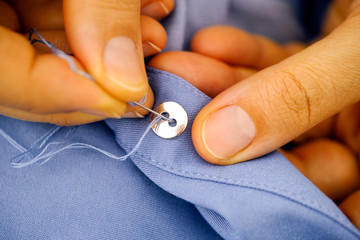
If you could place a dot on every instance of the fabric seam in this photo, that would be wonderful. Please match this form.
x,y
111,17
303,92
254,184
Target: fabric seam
x,y
251,185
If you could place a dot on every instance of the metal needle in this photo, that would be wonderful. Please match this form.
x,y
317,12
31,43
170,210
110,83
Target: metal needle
x,y
153,112
74,68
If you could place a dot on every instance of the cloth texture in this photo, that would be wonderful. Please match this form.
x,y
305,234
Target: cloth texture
x,y
164,190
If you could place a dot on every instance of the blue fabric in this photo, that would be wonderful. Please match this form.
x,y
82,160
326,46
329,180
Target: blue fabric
x,y
165,190
276,19
82,194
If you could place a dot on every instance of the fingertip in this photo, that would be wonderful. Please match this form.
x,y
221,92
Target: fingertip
x,y
219,135
124,75
8,17
109,45
208,75
157,9
331,166
225,43
351,208
209,40
138,112
237,47
347,127
153,36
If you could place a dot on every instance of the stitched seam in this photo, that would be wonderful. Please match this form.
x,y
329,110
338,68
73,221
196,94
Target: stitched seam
x,y
253,185
247,184
211,177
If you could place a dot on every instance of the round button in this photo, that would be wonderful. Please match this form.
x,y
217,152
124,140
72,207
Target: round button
x,y
177,114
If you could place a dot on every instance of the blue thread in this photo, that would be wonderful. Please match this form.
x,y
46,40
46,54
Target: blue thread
x,y
67,58
45,156
47,137
58,53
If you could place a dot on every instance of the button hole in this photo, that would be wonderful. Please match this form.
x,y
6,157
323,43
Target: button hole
x,y
165,114
171,124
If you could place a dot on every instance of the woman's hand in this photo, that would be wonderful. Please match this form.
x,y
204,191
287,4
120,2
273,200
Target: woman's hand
x,y
282,101
107,38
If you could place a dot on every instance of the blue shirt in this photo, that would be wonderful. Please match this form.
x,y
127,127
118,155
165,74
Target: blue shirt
x,y
163,191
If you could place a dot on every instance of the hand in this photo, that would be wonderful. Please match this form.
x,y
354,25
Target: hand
x,y
107,38
329,154
236,55
264,111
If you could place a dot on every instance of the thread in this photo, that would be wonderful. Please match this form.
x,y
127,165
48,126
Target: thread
x,y
45,155
12,141
58,53
73,67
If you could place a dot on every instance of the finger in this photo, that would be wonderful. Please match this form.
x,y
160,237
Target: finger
x,y
138,112
351,208
8,17
75,118
46,84
40,14
207,74
63,119
322,130
55,37
272,107
336,14
347,127
331,166
105,36
153,36
238,47
157,9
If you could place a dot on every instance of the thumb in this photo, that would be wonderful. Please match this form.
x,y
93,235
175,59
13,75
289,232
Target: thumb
x,y
105,36
272,107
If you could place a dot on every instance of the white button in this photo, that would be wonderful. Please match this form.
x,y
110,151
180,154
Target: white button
x,y
173,111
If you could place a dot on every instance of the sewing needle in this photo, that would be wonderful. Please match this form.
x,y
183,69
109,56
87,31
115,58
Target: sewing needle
x,y
153,112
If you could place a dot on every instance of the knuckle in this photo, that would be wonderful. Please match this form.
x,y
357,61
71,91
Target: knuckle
x,y
294,98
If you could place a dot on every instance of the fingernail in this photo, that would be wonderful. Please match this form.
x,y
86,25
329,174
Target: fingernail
x,y
154,7
165,9
149,48
121,61
228,131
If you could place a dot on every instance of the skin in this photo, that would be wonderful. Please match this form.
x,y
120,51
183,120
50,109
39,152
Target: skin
x,y
212,69
309,94
46,90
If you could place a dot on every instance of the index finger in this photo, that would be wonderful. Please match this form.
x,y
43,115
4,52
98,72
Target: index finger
x,y
45,83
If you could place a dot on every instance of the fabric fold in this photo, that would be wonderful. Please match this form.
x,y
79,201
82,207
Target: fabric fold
x,y
255,199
